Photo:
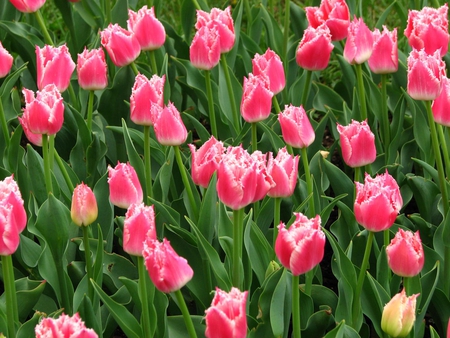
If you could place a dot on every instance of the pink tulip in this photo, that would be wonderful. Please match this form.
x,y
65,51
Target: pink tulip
x,y
28,6
9,232
205,161
448,329
204,51
399,315
146,92
384,58
314,50
378,202
45,112
334,13
222,20
256,101
264,181
283,169
10,195
92,69
84,210
226,317
6,61
441,113
295,127
64,327
425,73
359,44
124,186
405,254
169,127
301,247
122,46
236,178
147,28
270,64
168,271
357,144
139,225
428,29
36,139
54,66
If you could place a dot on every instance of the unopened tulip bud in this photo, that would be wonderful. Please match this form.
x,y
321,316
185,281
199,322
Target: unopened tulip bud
x,y
399,315
84,210
405,254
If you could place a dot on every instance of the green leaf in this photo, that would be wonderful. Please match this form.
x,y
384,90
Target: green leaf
x,y
10,81
319,323
26,330
177,326
281,304
208,211
340,182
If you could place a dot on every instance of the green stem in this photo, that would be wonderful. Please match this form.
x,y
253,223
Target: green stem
x,y
145,316
87,254
186,316
73,97
47,38
149,3
276,218
108,11
306,88
134,68
444,148
362,273
407,285
361,92
236,120
151,54
276,105
64,172
357,174
287,10
196,5
386,238
51,150
65,301
254,137
12,315
4,124
238,229
90,110
147,161
186,181
309,183
249,13
309,276
386,137
296,307
212,115
47,171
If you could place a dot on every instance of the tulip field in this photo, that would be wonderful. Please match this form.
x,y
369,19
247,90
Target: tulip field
x,y
224,169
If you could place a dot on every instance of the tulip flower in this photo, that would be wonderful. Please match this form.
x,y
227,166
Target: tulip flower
x,y
256,101
283,169
425,73
405,254
139,225
146,92
399,315
295,127
378,202
264,181
226,317
270,65
223,22
301,247
84,210
28,6
314,50
45,112
168,271
64,327
204,51
441,114
357,144
384,58
92,69
9,232
359,43
124,186
6,61
169,127
334,13
10,195
122,46
205,161
54,66
147,28
36,139
428,29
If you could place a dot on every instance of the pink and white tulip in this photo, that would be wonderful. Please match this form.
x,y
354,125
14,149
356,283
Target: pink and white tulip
x,y
144,94
223,22
314,50
405,253
84,210
256,101
359,43
384,58
64,327
169,127
270,65
204,51
6,61
283,169
296,129
122,46
92,69
124,186
28,6
334,13
147,28
139,225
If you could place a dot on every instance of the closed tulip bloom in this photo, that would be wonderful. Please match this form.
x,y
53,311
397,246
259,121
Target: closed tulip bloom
x,y
256,101
28,6
147,28
405,254
139,225
124,186
301,247
264,181
334,13
428,29
45,111
425,73
270,64
36,139
9,232
226,317
359,44
357,144
222,20
168,271
384,58
378,202
92,69
146,92
441,113
314,50
84,210
399,315
205,161
295,126
122,46
169,127
283,169
64,327
10,195
54,66
204,51
6,61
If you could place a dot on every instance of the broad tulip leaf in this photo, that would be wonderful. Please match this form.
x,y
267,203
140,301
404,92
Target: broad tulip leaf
x,y
258,249
340,182
28,293
208,211
26,330
318,323
177,326
88,315
280,305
